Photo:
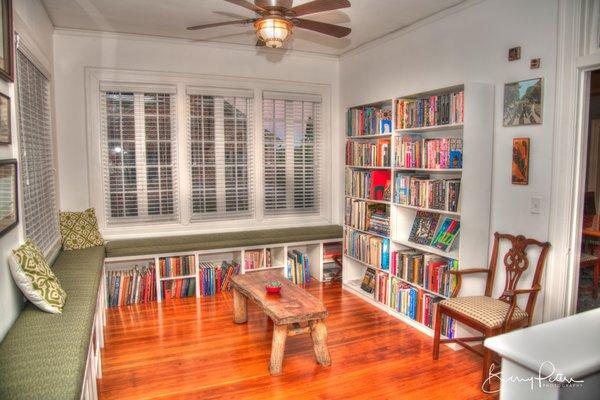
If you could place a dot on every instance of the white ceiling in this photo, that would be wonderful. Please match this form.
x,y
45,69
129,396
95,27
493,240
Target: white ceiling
x,y
369,20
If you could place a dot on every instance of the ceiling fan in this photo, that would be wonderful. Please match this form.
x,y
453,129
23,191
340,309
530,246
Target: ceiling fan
x,y
276,19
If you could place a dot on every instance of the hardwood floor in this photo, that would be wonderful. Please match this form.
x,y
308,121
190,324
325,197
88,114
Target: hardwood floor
x,y
190,348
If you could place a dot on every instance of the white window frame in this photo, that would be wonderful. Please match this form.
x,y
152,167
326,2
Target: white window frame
x,y
95,76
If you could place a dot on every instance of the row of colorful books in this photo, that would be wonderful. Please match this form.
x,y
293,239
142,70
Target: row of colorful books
x,y
372,153
215,278
365,216
381,287
415,151
425,270
369,121
428,231
369,249
257,259
442,109
137,285
373,185
177,266
421,191
297,268
179,288
418,305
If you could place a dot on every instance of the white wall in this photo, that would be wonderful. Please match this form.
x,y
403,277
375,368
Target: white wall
x,y
32,23
74,51
471,45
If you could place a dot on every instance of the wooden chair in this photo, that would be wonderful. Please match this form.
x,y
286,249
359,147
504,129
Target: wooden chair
x,y
492,316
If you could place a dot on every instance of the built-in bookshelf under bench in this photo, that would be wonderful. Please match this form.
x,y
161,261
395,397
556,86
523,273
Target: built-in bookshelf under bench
x,y
159,277
418,193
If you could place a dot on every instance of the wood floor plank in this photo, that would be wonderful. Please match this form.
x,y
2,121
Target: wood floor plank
x,y
190,348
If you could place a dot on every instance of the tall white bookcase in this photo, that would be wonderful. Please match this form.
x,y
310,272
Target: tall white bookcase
x,y
470,248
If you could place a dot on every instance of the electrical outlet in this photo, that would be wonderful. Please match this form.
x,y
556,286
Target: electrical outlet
x,y
536,205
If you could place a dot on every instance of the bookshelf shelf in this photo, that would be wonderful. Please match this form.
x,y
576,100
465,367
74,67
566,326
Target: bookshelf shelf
x,y
431,128
368,200
430,170
367,264
170,278
428,249
265,269
366,167
463,135
366,232
379,135
433,210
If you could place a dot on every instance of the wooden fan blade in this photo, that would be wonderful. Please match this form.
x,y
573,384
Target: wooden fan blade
x,y
322,27
317,6
248,5
238,22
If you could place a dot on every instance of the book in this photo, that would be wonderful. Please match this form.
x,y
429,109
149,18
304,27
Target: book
x,y
447,233
420,191
214,278
372,250
442,109
424,227
368,282
369,121
368,153
297,267
136,285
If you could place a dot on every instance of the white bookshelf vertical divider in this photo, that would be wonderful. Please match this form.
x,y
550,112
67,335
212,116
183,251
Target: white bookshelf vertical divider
x,y
472,245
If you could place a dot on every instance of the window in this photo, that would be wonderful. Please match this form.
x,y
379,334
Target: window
x,y
291,153
220,147
35,145
139,155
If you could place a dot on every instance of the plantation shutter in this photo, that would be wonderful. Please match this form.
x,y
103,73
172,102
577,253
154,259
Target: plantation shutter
x,y
139,143
40,212
221,152
291,148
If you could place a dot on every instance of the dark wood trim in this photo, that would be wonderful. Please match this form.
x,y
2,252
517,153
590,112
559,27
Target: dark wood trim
x,y
16,189
8,74
9,119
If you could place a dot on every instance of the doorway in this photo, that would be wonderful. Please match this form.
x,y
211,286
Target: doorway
x,y
588,293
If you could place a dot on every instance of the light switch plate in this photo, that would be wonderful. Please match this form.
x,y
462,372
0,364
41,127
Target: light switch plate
x,y
536,205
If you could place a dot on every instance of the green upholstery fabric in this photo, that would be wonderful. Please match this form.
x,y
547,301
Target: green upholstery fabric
x,y
43,356
174,244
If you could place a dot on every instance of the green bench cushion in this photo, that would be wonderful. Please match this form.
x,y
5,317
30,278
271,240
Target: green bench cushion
x,y
175,244
44,355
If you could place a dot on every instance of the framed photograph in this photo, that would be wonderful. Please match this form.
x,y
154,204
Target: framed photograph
x,y
514,53
7,52
5,132
520,161
9,212
523,103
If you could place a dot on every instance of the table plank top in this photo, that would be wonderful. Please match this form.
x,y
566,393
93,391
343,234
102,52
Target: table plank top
x,y
591,225
293,304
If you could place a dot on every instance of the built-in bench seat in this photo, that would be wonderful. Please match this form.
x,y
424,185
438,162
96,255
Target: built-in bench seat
x,y
44,356
227,240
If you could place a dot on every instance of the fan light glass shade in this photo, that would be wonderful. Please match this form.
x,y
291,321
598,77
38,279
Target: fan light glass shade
x,y
273,31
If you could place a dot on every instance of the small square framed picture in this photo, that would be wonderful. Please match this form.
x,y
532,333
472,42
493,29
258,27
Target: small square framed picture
x,y
5,123
9,211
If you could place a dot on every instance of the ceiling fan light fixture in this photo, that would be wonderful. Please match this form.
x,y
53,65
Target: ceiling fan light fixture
x,y
273,31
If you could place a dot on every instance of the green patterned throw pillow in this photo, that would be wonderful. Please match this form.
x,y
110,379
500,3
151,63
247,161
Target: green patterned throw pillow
x,y
79,230
36,280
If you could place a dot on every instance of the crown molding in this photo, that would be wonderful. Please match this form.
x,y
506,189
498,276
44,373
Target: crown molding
x,y
179,41
409,28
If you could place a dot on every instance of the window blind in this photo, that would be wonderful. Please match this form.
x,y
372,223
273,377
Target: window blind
x,y
221,153
40,216
139,155
291,137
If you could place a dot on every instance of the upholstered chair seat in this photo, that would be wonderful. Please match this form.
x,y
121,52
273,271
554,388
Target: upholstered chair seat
x,y
487,311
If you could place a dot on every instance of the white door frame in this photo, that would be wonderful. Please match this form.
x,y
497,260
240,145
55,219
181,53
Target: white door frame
x,y
578,54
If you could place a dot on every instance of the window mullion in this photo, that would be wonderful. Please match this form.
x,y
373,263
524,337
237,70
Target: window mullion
x,y
140,155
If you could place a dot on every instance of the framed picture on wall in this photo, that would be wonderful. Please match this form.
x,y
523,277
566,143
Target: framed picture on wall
x,y
520,161
5,131
9,212
7,52
523,103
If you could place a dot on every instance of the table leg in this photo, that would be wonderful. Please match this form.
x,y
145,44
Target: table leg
x,y
278,348
318,331
240,307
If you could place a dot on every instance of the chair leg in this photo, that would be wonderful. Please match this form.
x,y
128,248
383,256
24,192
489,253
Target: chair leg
x,y
487,363
595,282
437,333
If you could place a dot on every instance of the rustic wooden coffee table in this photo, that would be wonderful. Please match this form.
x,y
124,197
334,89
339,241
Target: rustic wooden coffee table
x,y
290,310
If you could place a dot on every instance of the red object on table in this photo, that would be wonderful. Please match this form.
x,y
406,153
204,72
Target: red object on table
x,y
273,289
